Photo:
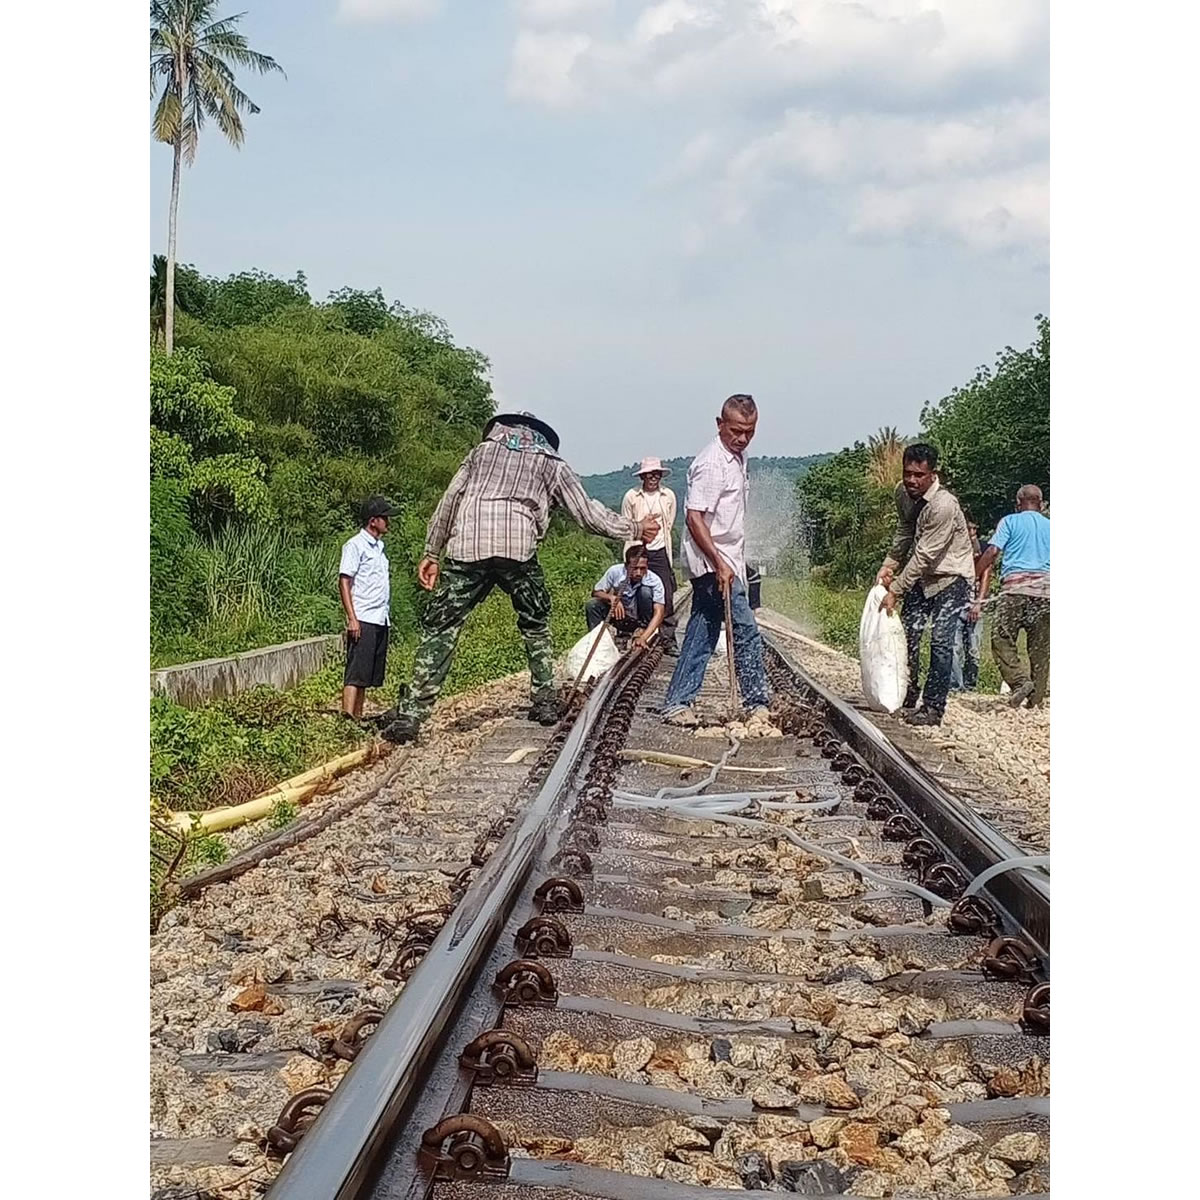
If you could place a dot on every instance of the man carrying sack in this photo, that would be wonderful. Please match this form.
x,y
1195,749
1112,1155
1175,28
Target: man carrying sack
x,y
651,498
488,524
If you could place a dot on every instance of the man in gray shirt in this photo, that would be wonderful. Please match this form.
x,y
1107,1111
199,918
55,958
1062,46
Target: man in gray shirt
x,y
936,579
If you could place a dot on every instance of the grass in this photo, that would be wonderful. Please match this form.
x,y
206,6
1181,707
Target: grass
x,y
260,586
230,750
833,614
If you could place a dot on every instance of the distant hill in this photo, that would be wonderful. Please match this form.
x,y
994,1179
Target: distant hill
x,y
611,487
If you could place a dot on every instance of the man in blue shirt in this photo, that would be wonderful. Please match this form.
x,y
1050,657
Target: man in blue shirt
x,y
1022,542
631,596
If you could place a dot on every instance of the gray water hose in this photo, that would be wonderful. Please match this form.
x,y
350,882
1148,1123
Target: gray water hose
x,y
1000,868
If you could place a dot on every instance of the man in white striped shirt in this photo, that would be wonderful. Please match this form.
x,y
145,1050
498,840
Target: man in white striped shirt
x,y
714,552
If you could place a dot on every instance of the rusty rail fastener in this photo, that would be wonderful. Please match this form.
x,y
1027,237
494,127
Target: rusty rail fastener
x,y
360,1026
880,807
526,982
1035,1011
920,854
577,862
945,880
544,937
900,828
296,1118
410,954
500,1056
560,895
1010,958
466,1147
973,915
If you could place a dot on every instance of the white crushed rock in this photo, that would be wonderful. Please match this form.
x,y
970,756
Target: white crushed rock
x,y
217,962
1006,748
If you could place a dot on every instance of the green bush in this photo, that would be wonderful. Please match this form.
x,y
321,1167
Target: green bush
x,y
849,518
177,562
994,433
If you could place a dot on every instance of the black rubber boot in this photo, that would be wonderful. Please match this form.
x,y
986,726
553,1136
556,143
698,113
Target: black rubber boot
x,y
544,710
924,717
403,729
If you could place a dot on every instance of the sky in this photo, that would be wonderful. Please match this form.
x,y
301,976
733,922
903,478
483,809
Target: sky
x,y
634,209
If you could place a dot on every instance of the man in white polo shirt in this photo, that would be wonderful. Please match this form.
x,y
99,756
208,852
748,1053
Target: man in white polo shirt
x,y
714,553
366,590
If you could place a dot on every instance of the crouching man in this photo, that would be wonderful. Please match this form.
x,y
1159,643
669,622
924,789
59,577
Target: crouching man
x,y
631,596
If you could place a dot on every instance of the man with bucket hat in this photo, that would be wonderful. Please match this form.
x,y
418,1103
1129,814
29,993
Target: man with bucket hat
x,y
485,533
652,499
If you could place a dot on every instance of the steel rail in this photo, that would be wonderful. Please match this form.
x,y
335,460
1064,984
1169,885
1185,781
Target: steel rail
x,y
337,1156
1022,896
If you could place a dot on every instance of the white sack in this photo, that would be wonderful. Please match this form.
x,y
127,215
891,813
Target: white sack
x,y
606,656
882,654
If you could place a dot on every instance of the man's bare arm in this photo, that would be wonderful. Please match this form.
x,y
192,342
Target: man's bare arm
x,y
983,579
703,539
352,626
644,635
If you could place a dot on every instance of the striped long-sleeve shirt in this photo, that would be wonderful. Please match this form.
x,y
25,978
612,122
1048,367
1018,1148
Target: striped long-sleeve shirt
x,y
498,506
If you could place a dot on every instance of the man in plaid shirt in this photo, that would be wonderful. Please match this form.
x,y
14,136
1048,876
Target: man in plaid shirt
x,y
488,526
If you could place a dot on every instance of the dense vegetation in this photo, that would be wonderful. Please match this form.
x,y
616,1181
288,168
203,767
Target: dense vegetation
x,y
993,435
269,423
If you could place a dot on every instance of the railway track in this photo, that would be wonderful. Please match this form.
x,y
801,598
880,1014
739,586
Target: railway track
x,y
691,983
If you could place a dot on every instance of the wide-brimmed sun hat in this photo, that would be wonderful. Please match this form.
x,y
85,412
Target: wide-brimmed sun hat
x,y
652,464
523,418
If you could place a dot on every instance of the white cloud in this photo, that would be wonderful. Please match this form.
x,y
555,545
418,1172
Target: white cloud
x,y
378,11
543,66
980,178
1004,210
911,117
898,49
556,12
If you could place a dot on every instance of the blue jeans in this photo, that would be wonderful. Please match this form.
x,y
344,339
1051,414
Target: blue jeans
x,y
943,615
700,640
968,643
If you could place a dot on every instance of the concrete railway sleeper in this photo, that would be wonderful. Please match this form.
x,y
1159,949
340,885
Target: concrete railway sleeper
x,y
659,988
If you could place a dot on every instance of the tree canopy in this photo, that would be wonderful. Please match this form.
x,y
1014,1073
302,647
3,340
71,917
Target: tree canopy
x,y
992,434
277,411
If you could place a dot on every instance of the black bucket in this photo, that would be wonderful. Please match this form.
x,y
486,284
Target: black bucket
x,y
754,587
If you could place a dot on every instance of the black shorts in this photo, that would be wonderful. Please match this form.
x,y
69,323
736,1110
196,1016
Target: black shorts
x,y
366,659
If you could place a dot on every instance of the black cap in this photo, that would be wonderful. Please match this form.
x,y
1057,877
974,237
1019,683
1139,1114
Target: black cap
x,y
376,506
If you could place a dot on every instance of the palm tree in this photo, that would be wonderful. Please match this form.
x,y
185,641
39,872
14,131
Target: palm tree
x,y
192,56
886,464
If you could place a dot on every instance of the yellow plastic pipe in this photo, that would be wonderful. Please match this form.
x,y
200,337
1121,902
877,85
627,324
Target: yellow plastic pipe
x,y
296,790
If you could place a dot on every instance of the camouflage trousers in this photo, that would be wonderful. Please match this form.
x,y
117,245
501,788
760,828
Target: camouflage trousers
x,y
462,586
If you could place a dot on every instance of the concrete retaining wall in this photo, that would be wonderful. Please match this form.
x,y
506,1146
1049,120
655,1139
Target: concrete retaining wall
x,y
281,667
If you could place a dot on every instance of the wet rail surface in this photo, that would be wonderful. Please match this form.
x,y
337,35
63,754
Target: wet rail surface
x,y
706,997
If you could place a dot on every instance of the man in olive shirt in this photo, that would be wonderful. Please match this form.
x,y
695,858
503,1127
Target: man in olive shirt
x,y
936,581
